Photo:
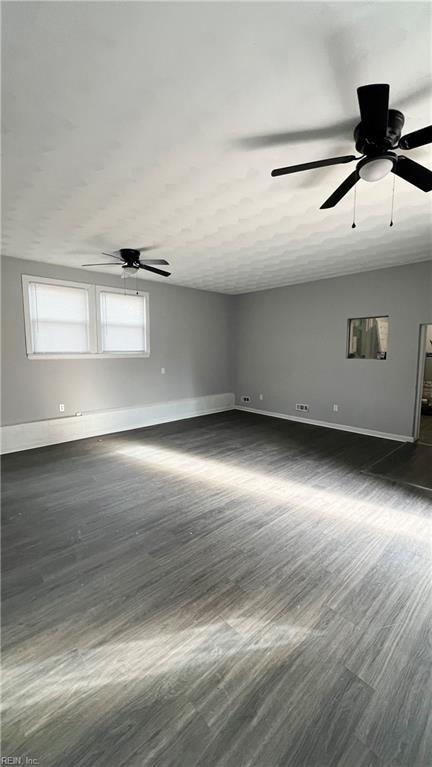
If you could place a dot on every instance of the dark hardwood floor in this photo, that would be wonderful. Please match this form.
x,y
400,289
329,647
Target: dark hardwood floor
x,y
409,464
227,591
426,429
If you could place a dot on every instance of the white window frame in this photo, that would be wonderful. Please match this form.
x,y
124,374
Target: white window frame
x,y
95,329
27,280
105,289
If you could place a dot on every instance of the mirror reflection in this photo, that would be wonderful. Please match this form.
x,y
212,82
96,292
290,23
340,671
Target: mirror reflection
x,y
368,338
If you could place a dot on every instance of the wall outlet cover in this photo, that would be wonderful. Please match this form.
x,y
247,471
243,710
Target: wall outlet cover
x,y
61,407
302,406
245,398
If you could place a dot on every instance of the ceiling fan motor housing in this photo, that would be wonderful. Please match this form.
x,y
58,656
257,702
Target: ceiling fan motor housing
x,y
130,256
378,145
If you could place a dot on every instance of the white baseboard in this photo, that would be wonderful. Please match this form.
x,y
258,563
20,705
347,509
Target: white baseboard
x,y
329,425
24,436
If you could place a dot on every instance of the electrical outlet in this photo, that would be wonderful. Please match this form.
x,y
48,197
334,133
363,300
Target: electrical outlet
x,y
245,398
335,408
301,406
163,371
261,396
61,407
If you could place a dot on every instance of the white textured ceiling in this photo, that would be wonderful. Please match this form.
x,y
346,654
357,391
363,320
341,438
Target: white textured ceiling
x,y
122,125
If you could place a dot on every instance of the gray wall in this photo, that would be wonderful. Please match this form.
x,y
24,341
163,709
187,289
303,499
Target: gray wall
x,y
288,344
189,336
291,347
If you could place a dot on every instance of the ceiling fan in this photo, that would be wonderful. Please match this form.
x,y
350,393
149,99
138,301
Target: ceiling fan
x,y
130,261
376,136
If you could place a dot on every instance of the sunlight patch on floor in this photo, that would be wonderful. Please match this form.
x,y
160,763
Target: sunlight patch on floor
x,y
297,495
64,676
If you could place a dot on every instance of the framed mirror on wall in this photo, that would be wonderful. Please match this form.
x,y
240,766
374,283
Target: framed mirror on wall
x,y
368,338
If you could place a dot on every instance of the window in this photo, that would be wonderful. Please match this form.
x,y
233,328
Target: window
x,y
123,321
72,319
368,338
57,318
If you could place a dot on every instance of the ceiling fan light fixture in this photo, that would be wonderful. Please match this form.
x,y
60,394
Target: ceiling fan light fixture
x,y
376,169
129,271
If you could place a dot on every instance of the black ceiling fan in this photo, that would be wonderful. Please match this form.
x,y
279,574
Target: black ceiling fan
x,y
376,136
130,261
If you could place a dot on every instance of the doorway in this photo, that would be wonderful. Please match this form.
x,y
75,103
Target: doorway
x,y
423,431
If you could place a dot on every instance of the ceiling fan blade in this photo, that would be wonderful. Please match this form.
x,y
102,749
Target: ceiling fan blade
x,y
343,129
156,271
149,247
339,130
105,264
341,191
112,256
311,165
373,102
416,138
153,261
414,173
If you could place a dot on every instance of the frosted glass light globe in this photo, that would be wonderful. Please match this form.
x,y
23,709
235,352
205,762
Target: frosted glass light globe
x,y
374,170
129,271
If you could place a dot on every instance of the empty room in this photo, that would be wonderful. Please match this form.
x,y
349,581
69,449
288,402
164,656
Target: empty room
x,y
216,369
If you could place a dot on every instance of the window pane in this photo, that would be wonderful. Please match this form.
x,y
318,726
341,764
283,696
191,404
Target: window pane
x,y
60,319
123,338
123,322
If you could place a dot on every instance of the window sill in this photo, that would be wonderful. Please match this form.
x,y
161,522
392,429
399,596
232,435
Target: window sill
x,y
91,356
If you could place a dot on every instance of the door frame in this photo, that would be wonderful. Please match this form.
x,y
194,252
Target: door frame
x,y
421,361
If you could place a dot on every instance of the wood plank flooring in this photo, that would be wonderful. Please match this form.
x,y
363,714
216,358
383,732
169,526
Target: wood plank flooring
x,y
426,429
410,463
229,591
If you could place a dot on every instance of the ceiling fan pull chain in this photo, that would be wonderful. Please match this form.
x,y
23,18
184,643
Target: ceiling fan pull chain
x,y
354,208
392,204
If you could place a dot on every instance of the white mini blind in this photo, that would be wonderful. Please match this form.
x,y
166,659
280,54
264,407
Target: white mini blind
x,y
59,317
123,322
